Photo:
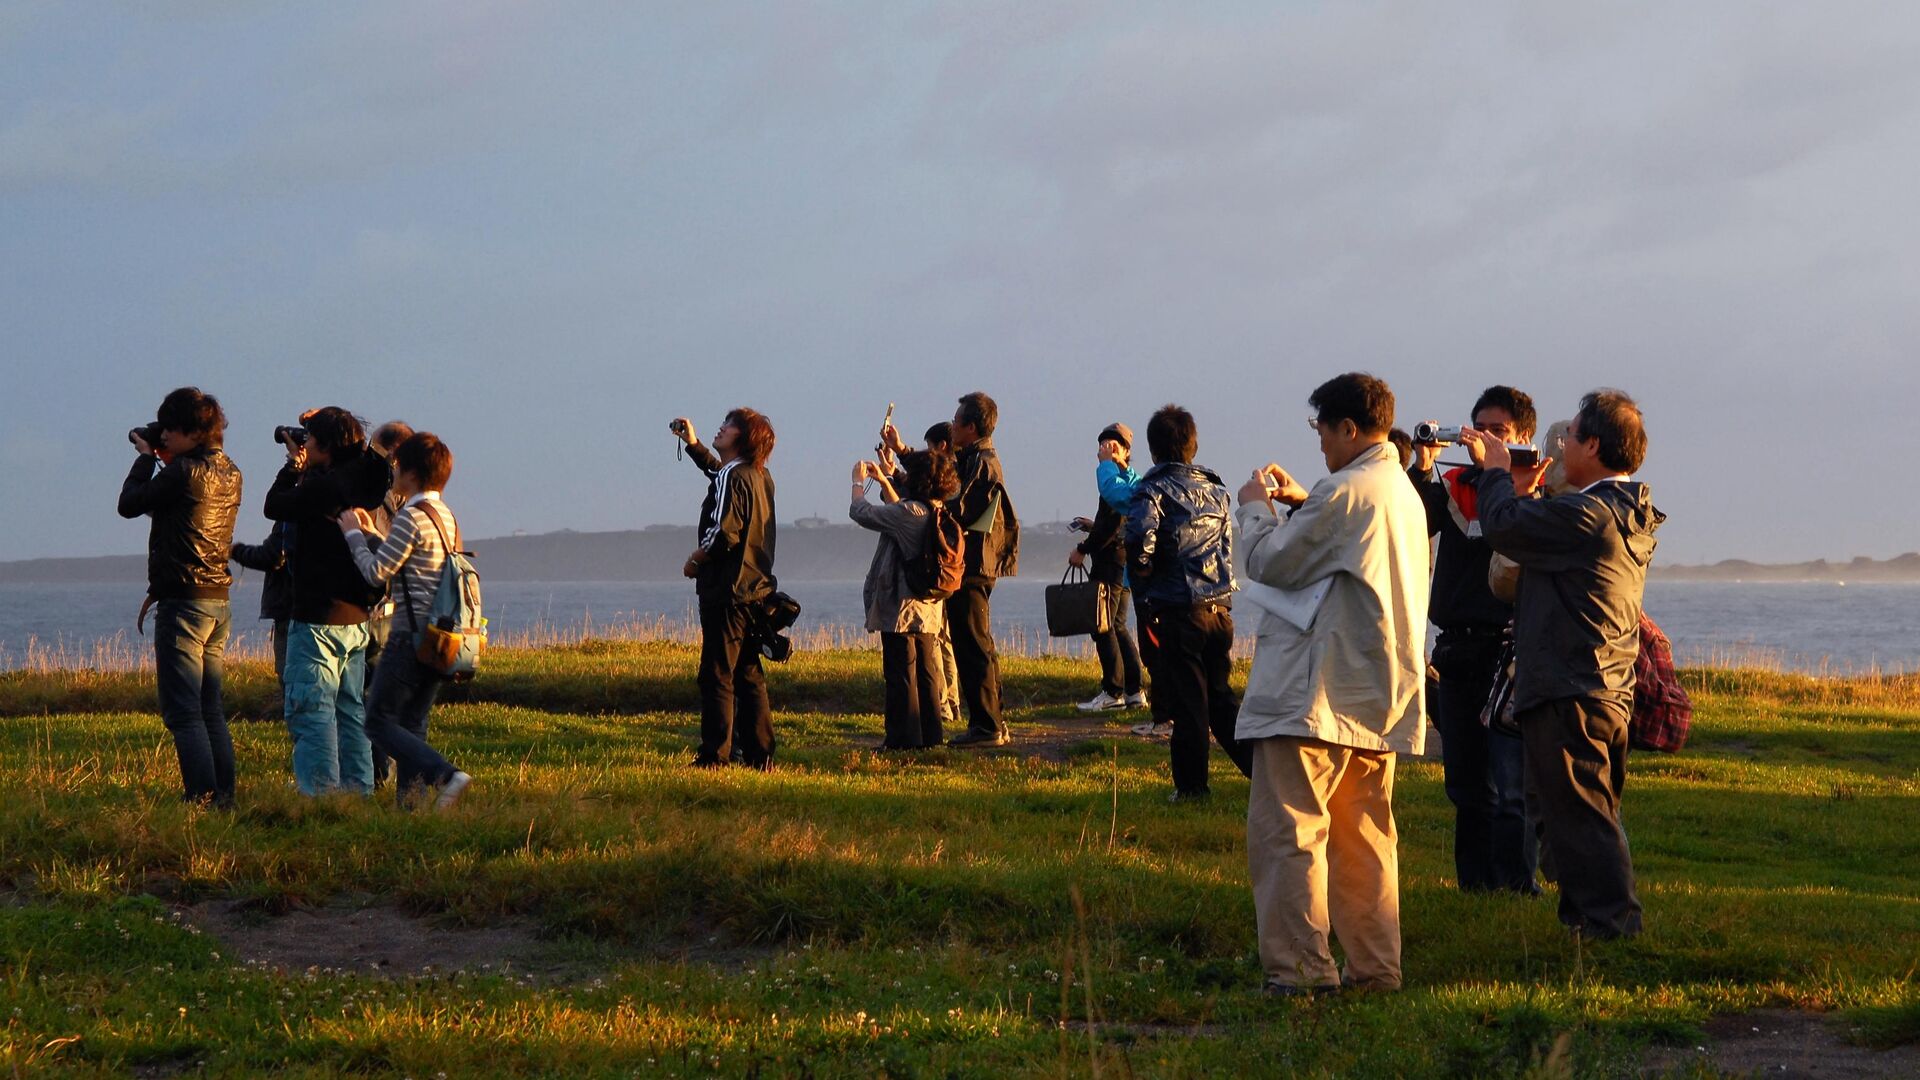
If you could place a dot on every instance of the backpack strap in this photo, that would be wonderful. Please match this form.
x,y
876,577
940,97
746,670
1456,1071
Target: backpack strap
x,y
447,554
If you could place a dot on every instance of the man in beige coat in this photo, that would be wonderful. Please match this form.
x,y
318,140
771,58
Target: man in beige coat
x,y
1337,689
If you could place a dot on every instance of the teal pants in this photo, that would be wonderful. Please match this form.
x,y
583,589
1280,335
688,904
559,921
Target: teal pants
x,y
326,708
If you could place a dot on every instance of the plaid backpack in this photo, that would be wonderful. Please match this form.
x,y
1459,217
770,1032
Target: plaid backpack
x,y
1662,711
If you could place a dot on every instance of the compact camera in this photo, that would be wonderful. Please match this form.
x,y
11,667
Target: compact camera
x,y
149,434
290,436
678,427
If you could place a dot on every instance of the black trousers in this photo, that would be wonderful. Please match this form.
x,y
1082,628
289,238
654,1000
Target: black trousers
x,y
379,628
1194,663
1576,768
915,684
1149,656
733,688
1493,843
1119,658
970,621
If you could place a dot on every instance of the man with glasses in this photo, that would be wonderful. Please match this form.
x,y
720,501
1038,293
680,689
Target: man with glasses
x,y
1583,560
1493,847
1336,692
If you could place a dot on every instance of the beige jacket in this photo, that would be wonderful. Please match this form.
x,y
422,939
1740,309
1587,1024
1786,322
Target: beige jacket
x,y
1358,676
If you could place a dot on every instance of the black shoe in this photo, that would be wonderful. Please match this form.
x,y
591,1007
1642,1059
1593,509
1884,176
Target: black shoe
x,y
1277,989
976,737
1190,796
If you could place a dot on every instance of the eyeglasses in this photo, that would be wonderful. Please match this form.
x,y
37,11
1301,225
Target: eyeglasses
x,y
1313,422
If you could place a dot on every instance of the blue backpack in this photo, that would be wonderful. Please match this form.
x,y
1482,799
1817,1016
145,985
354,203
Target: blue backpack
x,y
455,632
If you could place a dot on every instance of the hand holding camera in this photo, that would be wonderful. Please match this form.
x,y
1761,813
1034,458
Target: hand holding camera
x,y
1524,462
682,429
146,439
1271,483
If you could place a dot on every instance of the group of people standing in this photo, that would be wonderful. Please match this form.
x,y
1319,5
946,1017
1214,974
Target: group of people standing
x,y
357,549
1339,575
1344,582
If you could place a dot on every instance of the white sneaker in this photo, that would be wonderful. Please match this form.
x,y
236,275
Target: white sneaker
x,y
1151,730
1101,701
1137,700
451,793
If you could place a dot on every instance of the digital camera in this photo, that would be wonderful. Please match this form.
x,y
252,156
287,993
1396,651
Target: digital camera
x,y
149,434
290,436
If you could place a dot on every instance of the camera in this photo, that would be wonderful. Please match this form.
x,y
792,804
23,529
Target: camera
x,y
149,434
678,427
1524,457
290,436
1433,433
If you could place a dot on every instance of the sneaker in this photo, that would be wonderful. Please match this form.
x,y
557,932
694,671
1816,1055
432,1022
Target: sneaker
x,y
1137,700
1153,730
451,793
1277,989
1102,701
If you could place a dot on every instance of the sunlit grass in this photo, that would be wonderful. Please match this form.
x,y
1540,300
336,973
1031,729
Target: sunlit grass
x,y
915,914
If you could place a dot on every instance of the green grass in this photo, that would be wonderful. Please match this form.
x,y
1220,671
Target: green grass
x,y
928,915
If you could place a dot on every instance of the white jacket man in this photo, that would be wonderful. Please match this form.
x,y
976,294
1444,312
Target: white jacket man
x,y
1330,703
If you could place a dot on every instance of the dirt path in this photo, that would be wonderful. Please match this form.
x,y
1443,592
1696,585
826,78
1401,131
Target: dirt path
x,y
1783,1043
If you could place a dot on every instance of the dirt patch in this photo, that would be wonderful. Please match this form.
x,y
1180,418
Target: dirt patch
x,y
375,940
1784,1043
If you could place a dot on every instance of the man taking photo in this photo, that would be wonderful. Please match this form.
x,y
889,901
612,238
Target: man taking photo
x,y
1493,844
1583,562
193,501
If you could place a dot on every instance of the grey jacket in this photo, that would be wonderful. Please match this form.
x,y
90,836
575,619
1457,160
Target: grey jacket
x,y
891,608
1584,556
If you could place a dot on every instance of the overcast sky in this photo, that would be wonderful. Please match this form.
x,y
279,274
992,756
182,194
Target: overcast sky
x,y
542,230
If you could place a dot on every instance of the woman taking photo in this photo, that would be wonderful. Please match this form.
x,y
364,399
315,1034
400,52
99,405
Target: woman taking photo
x,y
909,628
411,557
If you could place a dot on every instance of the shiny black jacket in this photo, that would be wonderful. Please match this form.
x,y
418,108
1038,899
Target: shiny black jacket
x,y
193,502
1179,537
1583,568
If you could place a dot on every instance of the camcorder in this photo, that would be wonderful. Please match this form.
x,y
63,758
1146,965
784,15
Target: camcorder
x,y
290,436
148,433
1433,433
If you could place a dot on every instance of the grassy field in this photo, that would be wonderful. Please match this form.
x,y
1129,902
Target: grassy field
x,y
1041,911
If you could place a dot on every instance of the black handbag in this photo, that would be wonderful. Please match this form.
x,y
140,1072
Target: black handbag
x,y
1077,608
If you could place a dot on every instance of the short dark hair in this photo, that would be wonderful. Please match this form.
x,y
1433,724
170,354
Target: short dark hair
x,y
930,474
1172,435
334,428
979,410
1613,418
196,415
1355,396
754,439
1403,444
1517,405
391,434
941,433
427,458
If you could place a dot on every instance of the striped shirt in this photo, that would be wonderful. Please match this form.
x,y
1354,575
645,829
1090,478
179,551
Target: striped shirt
x,y
411,556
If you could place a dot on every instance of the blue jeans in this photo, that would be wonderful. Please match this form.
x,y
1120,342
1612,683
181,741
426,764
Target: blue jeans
x,y
326,708
403,692
190,648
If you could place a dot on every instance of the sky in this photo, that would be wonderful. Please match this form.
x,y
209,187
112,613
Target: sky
x,y
544,230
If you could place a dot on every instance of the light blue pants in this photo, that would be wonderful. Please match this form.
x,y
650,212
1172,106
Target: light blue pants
x,y
326,710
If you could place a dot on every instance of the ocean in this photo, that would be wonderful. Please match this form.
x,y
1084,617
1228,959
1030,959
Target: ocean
x,y
1817,627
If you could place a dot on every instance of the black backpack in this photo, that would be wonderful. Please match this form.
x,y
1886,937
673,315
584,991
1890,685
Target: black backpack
x,y
936,571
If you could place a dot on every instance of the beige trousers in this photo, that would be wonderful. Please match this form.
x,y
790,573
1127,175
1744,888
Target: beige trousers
x,y
1322,852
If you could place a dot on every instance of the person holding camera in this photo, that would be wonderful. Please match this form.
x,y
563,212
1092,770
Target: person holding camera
x,y
409,558
1583,560
1179,538
329,469
732,569
1119,657
1336,692
993,552
1493,844
192,501
908,625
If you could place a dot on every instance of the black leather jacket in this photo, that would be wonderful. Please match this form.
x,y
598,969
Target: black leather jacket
x,y
1583,568
1180,537
193,502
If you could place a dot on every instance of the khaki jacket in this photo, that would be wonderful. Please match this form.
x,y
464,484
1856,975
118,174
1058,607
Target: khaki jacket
x,y
1357,677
